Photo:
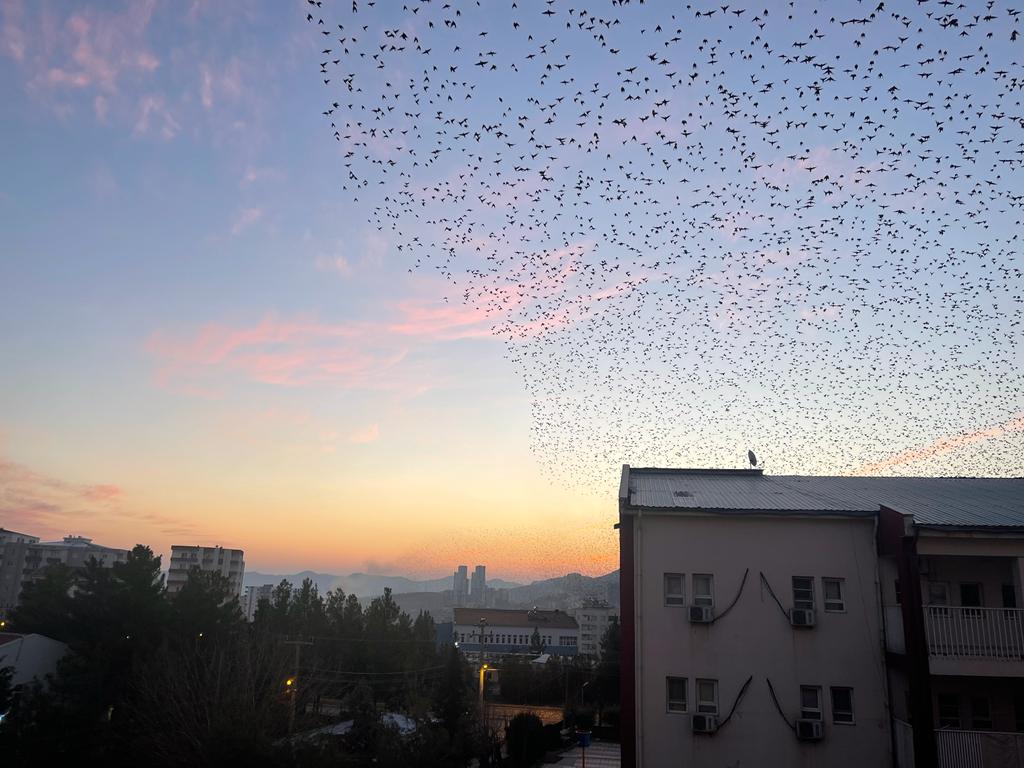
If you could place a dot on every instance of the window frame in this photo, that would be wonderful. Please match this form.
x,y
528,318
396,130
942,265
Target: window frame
x,y
938,608
971,611
811,713
669,598
974,716
801,604
706,706
669,679
836,713
840,601
708,600
938,706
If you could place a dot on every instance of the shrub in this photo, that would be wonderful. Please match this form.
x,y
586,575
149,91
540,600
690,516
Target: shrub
x,y
525,740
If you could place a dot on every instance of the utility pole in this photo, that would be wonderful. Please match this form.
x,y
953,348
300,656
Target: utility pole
x,y
293,681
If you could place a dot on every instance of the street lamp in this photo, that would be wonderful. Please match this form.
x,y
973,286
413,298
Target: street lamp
x,y
582,688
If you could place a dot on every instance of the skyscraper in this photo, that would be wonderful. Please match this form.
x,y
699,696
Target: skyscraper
x,y
478,586
460,585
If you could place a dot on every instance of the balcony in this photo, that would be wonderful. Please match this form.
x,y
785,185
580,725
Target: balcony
x,y
982,641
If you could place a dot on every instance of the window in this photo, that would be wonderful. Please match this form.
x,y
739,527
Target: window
x,y
707,697
899,592
566,640
810,702
981,714
842,705
674,589
970,597
938,598
1009,595
803,592
675,694
703,590
949,710
833,594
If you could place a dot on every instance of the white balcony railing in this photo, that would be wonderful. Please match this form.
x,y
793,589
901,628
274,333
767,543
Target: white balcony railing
x,y
975,633
978,749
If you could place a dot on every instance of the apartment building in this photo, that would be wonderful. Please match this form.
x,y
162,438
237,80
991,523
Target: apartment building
x,y
751,625
826,621
594,616
230,563
253,597
951,580
24,558
492,631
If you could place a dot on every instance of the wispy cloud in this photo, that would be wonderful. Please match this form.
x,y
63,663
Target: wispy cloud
x,y
47,506
370,434
943,445
245,219
93,49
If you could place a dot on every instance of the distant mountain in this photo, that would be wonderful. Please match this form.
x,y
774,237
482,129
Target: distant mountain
x,y
566,591
364,584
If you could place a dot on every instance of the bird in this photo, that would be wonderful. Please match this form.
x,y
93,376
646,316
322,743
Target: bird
x,y
660,213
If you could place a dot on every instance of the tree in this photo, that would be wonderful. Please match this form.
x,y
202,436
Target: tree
x,y
6,689
525,740
452,693
204,609
221,703
607,682
536,644
45,606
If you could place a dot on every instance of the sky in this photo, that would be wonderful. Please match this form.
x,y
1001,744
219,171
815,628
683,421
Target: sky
x,y
208,339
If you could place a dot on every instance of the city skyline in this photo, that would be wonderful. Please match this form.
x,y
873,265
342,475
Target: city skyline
x,y
207,339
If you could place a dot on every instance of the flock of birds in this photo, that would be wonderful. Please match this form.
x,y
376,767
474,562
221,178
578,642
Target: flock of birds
x,y
703,226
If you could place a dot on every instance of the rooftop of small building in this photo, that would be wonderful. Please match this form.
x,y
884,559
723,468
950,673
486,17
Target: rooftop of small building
x,y
498,617
960,502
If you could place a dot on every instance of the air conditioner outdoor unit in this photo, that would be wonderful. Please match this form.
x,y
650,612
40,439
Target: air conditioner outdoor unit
x,y
809,730
701,614
705,723
802,617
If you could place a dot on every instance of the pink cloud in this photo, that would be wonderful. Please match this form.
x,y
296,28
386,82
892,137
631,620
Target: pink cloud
x,y
943,445
366,435
43,505
91,48
245,219
377,353
155,117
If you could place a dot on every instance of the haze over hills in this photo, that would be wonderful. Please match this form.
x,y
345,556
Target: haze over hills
x,y
364,584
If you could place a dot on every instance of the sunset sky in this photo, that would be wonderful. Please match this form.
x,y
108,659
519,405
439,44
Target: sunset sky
x,y
202,344
205,342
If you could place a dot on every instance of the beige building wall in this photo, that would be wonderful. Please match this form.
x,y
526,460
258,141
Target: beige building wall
x,y
756,639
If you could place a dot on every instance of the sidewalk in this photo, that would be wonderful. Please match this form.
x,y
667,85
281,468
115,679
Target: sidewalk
x,y
599,755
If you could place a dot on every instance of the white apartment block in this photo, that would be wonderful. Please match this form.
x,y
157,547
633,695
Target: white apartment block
x,y
594,617
24,558
230,563
252,598
793,620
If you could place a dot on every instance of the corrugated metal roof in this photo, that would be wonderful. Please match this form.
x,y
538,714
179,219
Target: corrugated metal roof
x,y
497,617
940,501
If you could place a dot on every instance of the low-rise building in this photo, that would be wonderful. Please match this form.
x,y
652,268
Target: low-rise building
x,y
230,563
492,631
30,656
812,619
